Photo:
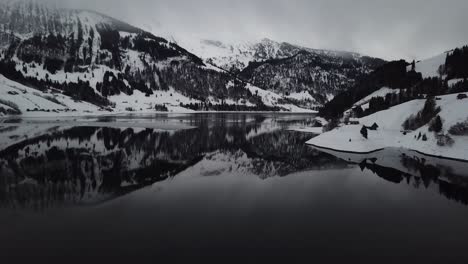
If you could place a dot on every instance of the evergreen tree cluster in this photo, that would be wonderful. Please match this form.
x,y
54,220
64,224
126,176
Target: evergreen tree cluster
x,y
55,52
364,132
156,49
199,83
53,65
161,108
456,64
436,125
413,86
110,41
459,129
113,85
393,75
229,107
424,116
306,71
80,90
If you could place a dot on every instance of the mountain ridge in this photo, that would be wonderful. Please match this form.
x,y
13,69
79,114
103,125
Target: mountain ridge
x,y
95,58
302,77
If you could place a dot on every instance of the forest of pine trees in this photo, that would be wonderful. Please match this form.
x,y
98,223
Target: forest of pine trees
x,y
456,64
409,85
423,117
80,90
393,75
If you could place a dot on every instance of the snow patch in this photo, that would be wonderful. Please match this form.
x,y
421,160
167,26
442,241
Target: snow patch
x,y
430,67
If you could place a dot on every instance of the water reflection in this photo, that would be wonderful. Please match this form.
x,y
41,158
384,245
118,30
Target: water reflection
x,y
448,177
220,185
49,165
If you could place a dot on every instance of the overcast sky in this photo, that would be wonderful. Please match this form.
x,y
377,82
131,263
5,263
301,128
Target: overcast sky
x,y
389,29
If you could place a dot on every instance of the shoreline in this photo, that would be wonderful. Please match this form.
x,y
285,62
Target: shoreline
x,y
381,149
345,151
391,134
128,114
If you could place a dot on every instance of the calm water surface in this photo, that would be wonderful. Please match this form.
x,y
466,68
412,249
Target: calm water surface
x,y
220,184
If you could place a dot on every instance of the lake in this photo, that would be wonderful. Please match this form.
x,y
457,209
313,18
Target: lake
x,y
218,185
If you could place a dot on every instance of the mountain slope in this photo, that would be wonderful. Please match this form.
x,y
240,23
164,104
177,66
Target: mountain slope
x,y
453,112
311,76
443,74
91,57
236,56
430,67
422,107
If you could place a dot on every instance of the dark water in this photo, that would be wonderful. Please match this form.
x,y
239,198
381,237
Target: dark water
x,y
220,185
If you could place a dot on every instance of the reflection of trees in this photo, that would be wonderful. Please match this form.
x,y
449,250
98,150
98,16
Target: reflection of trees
x,y
389,174
454,192
87,164
453,187
289,149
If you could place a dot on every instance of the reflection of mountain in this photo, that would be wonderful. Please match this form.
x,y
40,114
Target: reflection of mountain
x,y
88,164
448,177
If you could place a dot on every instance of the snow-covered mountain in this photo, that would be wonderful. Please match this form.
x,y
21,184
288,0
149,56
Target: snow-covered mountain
x,y
117,67
236,56
310,77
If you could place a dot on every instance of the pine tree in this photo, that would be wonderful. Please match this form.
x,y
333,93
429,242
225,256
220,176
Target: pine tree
x,y
436,125
364,132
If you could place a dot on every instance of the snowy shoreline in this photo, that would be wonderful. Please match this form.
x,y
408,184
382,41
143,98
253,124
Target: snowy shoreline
x,y
19,100
390,134
382,149
144,113
345,151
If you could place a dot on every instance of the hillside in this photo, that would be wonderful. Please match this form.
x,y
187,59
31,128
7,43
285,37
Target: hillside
x,y
450,142
89,57
430,67
421,106
309,77
398,82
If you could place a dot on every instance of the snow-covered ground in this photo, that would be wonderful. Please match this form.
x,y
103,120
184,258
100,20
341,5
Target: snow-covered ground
x,y
382,92
34,103
301,96
271,99
348,138
430,67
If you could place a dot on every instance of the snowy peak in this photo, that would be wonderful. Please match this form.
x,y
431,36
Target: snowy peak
x,y
236,56
309,77
25,18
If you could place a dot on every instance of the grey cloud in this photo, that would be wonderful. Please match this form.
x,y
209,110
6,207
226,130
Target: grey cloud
x,y
389,29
